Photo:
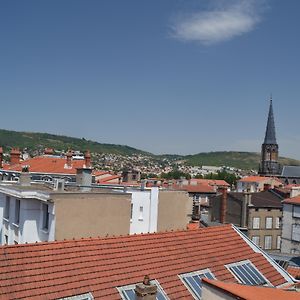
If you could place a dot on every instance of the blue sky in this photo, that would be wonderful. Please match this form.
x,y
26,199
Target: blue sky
x,y
163,76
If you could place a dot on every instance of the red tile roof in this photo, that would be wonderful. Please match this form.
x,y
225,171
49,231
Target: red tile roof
x,y
294,200
199,188
294,271
47,164
192,226
254,179
217,182
246,292
60,269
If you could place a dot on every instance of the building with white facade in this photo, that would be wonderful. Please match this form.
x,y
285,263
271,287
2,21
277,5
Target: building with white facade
x,y
37,212
290,240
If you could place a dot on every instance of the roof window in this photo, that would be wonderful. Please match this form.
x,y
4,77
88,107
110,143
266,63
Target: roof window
x,y
245,272
193,281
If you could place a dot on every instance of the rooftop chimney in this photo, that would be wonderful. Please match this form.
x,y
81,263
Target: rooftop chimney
x,y
87,159
245,204
48,151
84,179
145,290
15,156
1,157
223,208
25,177
68,164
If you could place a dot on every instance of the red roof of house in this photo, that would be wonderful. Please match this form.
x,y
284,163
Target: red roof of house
x,y
247,292
217,182
99,265
294,271
199,188
109,178
254,179
294,200
47,164
99,173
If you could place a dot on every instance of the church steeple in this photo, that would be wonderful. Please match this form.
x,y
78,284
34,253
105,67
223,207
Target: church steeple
x,y
270,136
269,150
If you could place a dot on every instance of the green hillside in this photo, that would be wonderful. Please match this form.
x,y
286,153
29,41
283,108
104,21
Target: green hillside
x,y
240,160
35,140
39,141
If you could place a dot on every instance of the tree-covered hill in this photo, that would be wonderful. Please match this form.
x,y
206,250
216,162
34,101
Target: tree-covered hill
x,y
35,140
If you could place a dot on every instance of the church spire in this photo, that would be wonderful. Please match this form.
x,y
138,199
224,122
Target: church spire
x,y
270,136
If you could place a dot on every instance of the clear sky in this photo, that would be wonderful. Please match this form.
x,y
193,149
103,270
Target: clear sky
x,y
163,76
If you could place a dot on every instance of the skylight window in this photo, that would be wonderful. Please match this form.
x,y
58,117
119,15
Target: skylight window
x,y
87,296
193,281
127,292
246,273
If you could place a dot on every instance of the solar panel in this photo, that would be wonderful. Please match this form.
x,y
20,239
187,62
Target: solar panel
x,y
248,274
193,281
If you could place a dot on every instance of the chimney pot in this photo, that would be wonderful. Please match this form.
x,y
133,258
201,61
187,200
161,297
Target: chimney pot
x,y
69,159
15,156
146,290
87,159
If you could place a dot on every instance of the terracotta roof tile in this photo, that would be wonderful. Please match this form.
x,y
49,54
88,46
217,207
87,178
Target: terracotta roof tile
x,y
294,200
246,292
47,164
60,269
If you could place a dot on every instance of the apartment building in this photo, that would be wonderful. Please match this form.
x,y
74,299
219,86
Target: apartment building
x,y
259,214
31,212
291,226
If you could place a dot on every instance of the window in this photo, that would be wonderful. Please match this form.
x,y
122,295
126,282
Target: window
x,y
255,240
17,211
6,209
256,221
278,243
131,210
268,242
269,222
277,222
128,293
87,296
45,220
247,273
296,232
141,213
193,281
296,211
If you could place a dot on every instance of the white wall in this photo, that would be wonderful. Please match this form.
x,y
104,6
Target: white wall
x,y
145,221
29,228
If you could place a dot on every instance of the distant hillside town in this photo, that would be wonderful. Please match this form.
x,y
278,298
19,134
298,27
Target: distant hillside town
x,y
88,225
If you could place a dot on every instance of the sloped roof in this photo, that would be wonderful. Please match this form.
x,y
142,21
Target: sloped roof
x,y
294,200
254,179
290,171
199,188
246,292
270,136
67,268
260,199
218,182
47,164
294,271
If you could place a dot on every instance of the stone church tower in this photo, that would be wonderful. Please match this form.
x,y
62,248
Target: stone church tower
x,y
269,165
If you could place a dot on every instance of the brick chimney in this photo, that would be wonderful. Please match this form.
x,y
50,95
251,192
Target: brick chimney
x,y
145,290
48,151
223,207
87,159
1,157
68,164
15,156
